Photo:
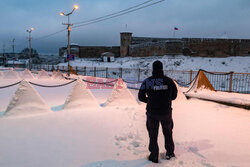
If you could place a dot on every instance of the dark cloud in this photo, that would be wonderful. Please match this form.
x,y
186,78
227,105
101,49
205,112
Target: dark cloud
x,y
195,18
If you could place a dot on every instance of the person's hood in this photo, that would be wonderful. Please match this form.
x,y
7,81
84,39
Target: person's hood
x,y
157,68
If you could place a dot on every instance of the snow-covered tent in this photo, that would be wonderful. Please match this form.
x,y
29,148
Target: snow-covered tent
x,y
11,74
121,96
43,75
80,97
201,82
27,74
26,101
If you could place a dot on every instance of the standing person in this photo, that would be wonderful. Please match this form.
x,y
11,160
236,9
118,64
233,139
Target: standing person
x,y
158,91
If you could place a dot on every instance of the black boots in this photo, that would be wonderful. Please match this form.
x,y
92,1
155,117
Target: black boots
x,y
153,158
169,156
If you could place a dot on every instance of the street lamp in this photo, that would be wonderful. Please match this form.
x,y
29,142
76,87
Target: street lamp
x,y
69,29
13,51
13,45
29,38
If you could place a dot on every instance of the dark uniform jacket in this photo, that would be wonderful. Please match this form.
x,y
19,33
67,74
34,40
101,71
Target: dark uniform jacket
x,y
158,91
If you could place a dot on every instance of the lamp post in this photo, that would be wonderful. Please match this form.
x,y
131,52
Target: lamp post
x,y
69,29
13,45
5,59
29,38
13,51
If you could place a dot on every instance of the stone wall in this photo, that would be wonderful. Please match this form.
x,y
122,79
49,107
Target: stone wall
x,y
155,49
96,51
91,51
217,47
144,47
204,47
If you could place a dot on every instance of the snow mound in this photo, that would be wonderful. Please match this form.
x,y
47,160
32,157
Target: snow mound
x,y
121,96
27,74
54,73
57,75
12,74
80,97
43,75
180,95
26,101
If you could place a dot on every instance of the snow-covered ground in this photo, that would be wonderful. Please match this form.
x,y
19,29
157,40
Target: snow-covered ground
x,y
206,134
236,64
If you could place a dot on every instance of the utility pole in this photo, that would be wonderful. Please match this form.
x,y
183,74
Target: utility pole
x,y
13,45
5,59
68,49
3,49
13,51
69,29
29,38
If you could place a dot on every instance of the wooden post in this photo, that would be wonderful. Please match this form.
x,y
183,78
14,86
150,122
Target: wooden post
x,y
231,81
139,73
120,72
191,76
85,71
106,72
94,71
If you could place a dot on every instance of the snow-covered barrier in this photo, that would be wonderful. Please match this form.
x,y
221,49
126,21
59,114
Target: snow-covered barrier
x,y
26,101
233,99
57,75
200,82
11,74
180,95
201,88
43,75
80,97
27,74
121,96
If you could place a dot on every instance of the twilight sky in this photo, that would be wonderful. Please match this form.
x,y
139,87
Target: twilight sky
x,y
194,18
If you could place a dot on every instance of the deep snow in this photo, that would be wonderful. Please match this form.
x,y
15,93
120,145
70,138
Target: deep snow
x,y
205,133
179,62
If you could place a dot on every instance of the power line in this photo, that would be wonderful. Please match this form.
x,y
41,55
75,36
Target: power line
x,y
109,16
130,11
49,35
121,11
103,18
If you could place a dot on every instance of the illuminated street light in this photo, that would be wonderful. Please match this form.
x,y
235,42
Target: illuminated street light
x,y
76,7
69,29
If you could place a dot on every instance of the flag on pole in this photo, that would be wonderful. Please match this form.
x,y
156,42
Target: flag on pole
x,y
175,28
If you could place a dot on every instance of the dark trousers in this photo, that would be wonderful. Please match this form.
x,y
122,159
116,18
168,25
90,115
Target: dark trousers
x,y
167,129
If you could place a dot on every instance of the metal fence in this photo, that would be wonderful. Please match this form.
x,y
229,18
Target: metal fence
x,y
228,82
